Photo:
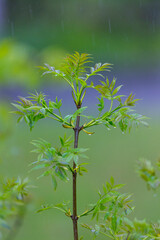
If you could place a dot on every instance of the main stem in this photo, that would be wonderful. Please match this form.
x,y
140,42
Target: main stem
x,y
74,215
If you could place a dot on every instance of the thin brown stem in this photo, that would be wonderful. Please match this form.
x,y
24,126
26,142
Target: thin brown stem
x,y
74,215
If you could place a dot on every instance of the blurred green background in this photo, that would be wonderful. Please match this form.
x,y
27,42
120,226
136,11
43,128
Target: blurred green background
x,y
125,33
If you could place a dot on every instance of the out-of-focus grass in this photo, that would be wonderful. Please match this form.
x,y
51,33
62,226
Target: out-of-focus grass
x,y
111,154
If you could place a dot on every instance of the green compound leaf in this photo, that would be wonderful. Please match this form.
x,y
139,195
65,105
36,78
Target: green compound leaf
x,y
44,208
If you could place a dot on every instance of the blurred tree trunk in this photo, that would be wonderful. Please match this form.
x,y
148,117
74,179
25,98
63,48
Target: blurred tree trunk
x,y
2,16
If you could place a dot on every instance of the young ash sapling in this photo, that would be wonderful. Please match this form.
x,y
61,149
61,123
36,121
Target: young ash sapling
x,y
65,160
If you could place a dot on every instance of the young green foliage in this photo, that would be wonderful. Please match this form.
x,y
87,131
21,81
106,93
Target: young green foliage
x,y
56,162
74,72
112,212
114,110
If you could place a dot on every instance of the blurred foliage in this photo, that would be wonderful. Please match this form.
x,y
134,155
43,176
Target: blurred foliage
x,y
17,64
52,55
122,31
148,173
13,203
13,192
